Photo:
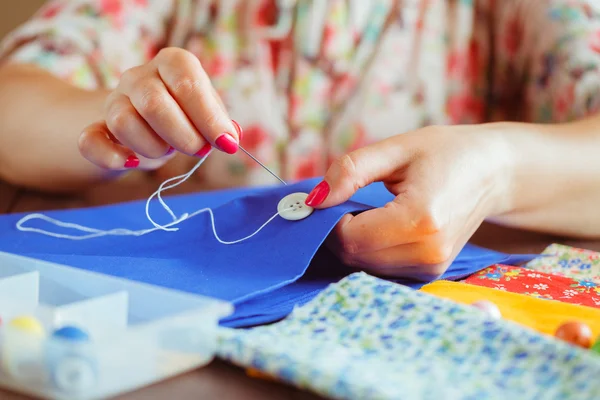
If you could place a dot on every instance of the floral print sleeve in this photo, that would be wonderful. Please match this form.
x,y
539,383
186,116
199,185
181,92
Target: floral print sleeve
x,y
547,52
89,43
310,81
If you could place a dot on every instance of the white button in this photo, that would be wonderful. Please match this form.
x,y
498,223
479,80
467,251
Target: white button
x,y
292,207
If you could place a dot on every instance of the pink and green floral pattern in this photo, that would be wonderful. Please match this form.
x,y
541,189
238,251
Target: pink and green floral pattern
x,y
579,264
318,79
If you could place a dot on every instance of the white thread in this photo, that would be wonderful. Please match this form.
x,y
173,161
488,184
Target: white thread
x,y
93,233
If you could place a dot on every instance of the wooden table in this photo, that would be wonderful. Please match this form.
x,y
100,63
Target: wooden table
x,y
220,380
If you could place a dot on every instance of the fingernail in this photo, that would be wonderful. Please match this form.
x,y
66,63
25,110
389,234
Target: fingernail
x,y
227,143
170,151
238,129
204,150
132,162
318,195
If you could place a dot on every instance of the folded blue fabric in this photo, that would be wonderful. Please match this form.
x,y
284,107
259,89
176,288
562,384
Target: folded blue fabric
x,y
326,269
263,276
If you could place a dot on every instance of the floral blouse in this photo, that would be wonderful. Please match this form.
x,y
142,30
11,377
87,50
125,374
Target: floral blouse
x,y
312,80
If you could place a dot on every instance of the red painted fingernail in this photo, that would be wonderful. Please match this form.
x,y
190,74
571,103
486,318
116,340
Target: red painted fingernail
x,y
238,129
318,195
170,151
132,162
204,150
227,143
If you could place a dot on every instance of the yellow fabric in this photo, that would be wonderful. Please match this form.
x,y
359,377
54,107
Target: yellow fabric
x,y
542,315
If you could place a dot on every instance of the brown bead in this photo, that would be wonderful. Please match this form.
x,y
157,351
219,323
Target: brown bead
x,y
575,333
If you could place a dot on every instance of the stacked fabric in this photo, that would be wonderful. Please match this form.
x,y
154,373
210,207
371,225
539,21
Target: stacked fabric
x,y
351,336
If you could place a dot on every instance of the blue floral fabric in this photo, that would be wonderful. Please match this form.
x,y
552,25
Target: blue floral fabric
x,y
366,338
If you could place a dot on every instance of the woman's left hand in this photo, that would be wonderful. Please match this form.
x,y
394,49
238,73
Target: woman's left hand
x,y
446,179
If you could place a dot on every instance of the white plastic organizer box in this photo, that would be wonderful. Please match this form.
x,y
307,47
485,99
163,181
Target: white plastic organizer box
x,y
67,333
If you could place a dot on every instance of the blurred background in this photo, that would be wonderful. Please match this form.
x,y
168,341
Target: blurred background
x,y
14,13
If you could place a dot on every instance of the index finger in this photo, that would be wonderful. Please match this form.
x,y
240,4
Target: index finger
x,y
192,89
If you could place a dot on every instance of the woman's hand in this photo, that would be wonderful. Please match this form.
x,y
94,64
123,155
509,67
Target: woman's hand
x,y
165,105
446,180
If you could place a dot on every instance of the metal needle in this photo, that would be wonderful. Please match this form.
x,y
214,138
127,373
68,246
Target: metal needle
x,y
262,165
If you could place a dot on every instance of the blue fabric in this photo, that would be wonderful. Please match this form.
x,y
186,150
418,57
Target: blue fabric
x,y
278,304
264,276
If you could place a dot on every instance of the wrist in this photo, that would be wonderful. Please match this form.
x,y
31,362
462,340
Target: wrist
x,y
502,164
541,164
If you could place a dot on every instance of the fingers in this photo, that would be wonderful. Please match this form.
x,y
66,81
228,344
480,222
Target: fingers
x,y
421,261
425,260
356,170
405,238
166,105
100,147
414,255
398,222
96,145
131,130
192,89
151,99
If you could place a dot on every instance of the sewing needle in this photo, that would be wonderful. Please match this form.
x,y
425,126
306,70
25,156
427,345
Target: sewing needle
x,y
262,165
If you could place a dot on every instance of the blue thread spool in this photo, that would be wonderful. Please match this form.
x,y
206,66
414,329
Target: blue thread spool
x,y
70,361
71,333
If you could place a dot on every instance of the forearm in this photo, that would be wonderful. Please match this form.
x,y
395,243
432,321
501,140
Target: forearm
x,y
554,178
41,118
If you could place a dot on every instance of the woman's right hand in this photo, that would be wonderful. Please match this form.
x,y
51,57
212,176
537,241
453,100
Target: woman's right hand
x,y
166,105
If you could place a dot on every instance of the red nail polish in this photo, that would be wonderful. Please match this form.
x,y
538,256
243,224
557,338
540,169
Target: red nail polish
x,y
204,150
318,195
170,151
132,162
238,129
227,143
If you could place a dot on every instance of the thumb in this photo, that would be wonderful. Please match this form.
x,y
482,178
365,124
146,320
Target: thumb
x,y
356,170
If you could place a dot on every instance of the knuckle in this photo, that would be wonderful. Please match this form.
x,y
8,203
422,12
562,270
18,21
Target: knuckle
x,y
117,119
211,119
436,254
86,145
348,246
130,76
346,167
83,143
152,102
177,56
186,87
428,222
